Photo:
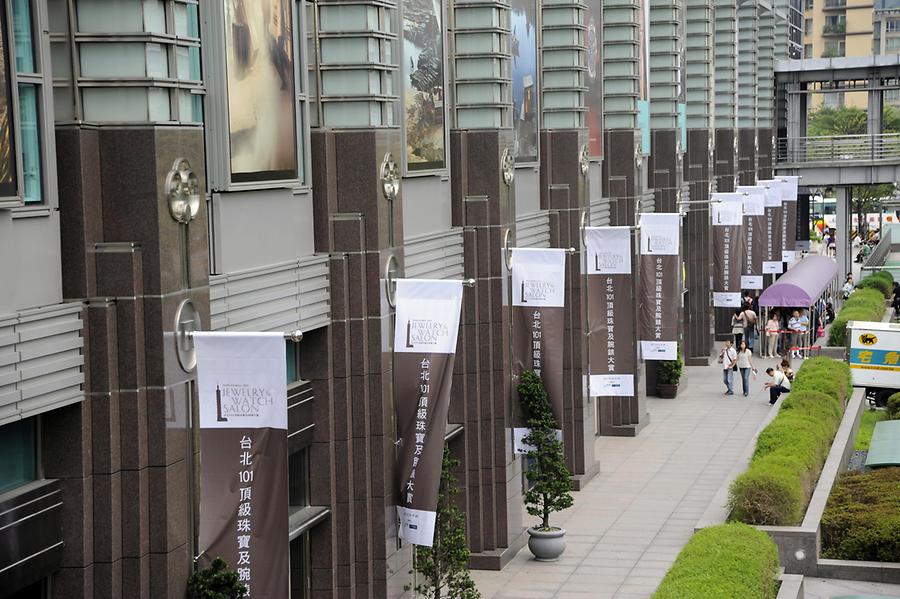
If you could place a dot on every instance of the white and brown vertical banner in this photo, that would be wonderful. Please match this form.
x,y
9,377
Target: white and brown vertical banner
x,y
243,457
538,315
425,332
610,298
789,186
727,212
660,272
772,262
754,201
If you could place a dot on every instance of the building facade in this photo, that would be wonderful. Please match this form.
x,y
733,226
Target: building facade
x,y
329,146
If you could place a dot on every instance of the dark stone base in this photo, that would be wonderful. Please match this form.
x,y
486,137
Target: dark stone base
x,y
498,558
580,481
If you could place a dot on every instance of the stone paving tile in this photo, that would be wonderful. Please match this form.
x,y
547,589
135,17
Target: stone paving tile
x,y
635,516
822,588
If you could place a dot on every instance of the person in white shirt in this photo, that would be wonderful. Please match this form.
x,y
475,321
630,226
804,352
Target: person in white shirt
x,y
794,326
780,384
728,360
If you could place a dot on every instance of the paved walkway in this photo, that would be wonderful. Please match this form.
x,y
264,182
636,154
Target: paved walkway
x,y
629,523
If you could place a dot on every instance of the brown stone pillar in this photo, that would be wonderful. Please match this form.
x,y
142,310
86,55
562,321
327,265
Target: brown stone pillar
x,y
352,457
564,192
623,184
483,204
130,501
765,158
697,249
747,151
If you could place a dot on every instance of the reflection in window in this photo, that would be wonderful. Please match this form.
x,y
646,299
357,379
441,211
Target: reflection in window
x,y
17,446
31,142
24,41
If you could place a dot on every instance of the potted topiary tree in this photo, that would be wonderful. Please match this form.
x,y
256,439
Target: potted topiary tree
x,y
668,375
216,582
549,479
444,567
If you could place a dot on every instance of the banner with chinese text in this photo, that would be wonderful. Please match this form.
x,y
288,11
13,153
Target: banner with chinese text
x,y
425,332
243,457
754,201
538,314
789,222
772,258
660,306
611,347
727,214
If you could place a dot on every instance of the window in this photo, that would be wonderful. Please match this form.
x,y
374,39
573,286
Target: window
x,y
892,25
807,26
892,43
807,50
18,446
300,567
298,478
809,4
30,92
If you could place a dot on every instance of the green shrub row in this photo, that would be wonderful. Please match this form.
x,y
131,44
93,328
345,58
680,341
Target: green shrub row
x,y
862,518
792,449
863,304
882,281
728,560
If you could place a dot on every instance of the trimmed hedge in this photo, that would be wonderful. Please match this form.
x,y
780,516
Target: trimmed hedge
x,y
882,281
792,449
863,304
892,407
862,518
728,560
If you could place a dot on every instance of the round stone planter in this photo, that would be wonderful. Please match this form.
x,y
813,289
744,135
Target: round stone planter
x,y
547,545
666,390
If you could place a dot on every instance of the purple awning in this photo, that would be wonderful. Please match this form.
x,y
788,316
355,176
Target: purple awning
x,y
802,284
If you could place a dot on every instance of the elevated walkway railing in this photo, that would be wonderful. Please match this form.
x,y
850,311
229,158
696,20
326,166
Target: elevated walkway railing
x,y
837,149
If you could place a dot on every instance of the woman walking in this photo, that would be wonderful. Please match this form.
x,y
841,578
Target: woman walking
x,y
749,326
738,322
773,325
745,365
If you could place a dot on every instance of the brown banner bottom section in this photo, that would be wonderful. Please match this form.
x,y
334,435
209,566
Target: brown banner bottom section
x,y
244,506
422,390
611,342
538,346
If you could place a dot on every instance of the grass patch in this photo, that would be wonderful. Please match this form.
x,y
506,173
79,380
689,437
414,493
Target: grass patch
x,y
862,517
729,560
792,449
867,427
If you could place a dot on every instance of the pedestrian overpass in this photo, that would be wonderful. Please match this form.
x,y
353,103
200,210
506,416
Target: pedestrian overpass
x,y
839,161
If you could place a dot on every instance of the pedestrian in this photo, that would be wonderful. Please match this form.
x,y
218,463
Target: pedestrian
x,y
779,384
795,332
785,367
728,360
737,325
832,243
745,365
773,325
848,287
750,319
829,313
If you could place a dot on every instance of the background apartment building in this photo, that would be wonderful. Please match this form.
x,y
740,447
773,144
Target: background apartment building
x,y
331,146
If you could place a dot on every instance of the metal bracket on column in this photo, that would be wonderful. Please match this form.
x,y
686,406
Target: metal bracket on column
x,y
390,286
581,227
507,251
183,192
187,320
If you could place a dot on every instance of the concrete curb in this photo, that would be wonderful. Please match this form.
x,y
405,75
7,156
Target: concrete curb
x,y
791,587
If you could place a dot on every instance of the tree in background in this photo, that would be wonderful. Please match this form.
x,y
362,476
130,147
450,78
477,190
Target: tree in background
x,y
444,567
866,199
848,120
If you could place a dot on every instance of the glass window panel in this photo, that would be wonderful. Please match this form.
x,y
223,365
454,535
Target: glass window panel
x,y
187,20
194,53
17,446
23,37
193,20
157,63
110,16
59,15
180,19
290,358
190,107
113,60
301,166
60,60
114,104
30,133
63,103
300,567
298,477
158,104
187,59
154,16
